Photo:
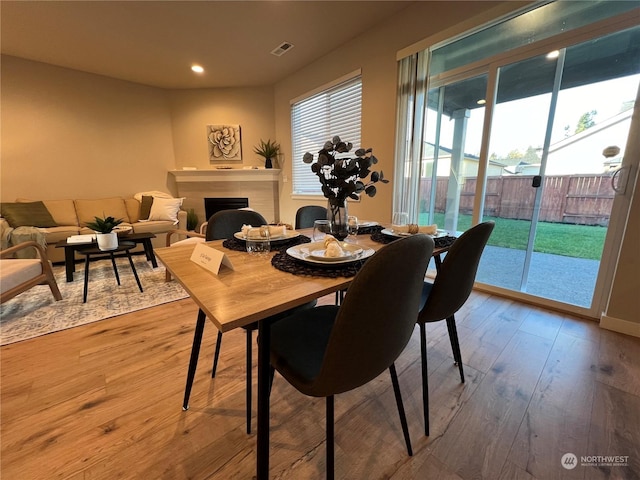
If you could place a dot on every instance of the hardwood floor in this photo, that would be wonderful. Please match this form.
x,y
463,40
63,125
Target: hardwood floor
x,y
103,401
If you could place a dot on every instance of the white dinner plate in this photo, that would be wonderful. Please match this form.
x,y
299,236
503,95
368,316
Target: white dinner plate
x,y
349,251
387,231
314,253
288,236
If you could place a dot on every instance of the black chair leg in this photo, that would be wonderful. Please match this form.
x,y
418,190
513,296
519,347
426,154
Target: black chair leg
x,y
193,362
403,417
216,355
248,381
425,377
455,345
272,372
330,442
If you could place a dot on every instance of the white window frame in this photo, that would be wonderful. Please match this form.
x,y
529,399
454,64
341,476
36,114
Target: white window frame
x,y
331,109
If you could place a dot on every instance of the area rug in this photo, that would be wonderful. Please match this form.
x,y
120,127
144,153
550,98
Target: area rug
x,y
35,312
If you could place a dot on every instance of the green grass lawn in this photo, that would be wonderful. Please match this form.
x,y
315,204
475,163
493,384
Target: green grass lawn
x,y
580,241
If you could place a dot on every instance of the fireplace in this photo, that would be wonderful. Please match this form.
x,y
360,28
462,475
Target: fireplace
x,y
213,205
258,188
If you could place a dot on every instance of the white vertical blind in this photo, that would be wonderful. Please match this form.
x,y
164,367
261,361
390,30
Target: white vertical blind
x,y
318,118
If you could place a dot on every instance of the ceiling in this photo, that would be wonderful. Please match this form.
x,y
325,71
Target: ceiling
x,y
156,42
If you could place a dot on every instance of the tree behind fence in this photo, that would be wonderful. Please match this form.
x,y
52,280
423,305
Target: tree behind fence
x,y
577,199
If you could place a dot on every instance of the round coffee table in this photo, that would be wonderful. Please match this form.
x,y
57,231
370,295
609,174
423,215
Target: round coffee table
x,y
122,247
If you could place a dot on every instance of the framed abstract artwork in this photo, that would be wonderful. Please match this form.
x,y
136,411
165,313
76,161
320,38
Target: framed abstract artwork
x,y
224,143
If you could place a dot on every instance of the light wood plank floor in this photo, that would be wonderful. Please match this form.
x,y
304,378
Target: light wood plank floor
x,y
103,401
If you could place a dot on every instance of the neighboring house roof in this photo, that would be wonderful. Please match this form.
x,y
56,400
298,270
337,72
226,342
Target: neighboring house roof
x,y
467,156
522,167
598,127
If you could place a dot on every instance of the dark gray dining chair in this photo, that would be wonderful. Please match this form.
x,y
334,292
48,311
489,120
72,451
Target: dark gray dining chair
x,y
222,225
305,216
447,294
332,349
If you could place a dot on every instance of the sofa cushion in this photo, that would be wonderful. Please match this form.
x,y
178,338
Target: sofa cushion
x,y
87,210
57,234
133,209
17,271
153,226
165,209
27,214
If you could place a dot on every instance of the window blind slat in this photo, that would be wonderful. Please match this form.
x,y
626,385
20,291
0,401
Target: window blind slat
x,y
316,119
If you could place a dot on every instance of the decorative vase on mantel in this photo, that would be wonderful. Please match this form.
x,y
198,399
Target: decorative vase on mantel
x,y
337,216
268,163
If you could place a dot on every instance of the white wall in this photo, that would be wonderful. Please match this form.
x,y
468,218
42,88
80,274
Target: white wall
x,y
69,134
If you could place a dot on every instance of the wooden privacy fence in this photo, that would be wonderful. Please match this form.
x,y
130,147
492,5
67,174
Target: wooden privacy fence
x,y
577,199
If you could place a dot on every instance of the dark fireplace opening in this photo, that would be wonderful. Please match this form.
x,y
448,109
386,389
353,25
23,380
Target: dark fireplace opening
x,y
213,205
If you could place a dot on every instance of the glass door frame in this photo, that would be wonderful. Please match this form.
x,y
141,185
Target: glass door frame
x,y
618,214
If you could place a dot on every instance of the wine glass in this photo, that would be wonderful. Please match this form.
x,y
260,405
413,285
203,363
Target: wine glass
x,y
258,241
399,219
320,229
352,226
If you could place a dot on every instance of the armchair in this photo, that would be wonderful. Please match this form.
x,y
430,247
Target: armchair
x,y
18,275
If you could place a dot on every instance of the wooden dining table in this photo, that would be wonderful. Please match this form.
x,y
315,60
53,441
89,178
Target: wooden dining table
x,y
252,291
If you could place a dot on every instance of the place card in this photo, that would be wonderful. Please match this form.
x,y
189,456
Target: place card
x,y
210,258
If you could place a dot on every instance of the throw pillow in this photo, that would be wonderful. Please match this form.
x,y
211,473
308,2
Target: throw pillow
x,y
153,193
145,207
31,214
165,209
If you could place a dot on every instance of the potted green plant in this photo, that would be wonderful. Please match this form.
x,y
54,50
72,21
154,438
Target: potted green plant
x,y
192,219
106,237
269,150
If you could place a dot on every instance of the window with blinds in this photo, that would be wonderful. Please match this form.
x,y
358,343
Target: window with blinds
x,y
314,120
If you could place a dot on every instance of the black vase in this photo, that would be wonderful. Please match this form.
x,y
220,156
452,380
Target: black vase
x,y
337,216
268,163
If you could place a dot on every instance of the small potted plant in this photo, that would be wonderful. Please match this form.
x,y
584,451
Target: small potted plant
x,y
106,237
269,150
192,219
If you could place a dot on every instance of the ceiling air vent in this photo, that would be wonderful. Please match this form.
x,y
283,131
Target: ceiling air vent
x,y
282,49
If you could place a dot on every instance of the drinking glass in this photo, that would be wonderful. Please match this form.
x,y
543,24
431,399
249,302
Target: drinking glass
x,y
258,241
399,219
352,226
320,229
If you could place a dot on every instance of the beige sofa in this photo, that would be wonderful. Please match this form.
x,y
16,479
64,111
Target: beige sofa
x,y
71,217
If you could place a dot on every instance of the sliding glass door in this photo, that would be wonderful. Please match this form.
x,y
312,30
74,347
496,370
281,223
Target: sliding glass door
x,y
531,141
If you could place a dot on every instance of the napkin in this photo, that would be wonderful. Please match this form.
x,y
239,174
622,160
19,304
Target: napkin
x,y
274,230
413,228
332,247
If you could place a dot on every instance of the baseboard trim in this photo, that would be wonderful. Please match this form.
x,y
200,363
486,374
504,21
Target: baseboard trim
x,y
620,326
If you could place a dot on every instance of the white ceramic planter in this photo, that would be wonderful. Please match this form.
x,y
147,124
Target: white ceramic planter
x,y
107,241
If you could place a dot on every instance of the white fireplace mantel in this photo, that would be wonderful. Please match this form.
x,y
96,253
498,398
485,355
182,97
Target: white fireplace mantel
x,y
259,186
227,175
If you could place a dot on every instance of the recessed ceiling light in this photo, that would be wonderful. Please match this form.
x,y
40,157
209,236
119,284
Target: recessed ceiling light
x,y
553,54
197,68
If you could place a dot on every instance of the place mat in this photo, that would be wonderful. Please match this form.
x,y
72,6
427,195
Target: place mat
x,y
369,230
285,263
276,245
440,242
